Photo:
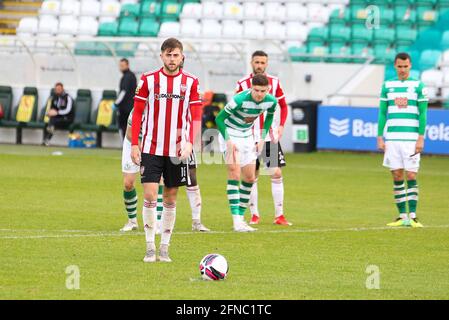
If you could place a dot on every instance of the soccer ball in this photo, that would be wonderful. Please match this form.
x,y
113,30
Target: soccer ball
x,y
214,267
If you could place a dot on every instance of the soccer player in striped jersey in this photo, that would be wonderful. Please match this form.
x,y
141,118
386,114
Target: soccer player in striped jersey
x,y
129,170
235,123
402,124
165,98
272,155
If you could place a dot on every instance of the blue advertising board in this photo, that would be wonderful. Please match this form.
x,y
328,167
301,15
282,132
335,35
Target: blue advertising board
x,y
355,128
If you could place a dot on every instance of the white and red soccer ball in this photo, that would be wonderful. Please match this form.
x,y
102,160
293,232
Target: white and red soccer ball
x,y
214,267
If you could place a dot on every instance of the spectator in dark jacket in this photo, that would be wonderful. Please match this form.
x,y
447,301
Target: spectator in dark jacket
x,y
125,99
61,113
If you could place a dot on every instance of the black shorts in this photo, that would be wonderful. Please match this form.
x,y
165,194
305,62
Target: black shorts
x,y
272,155
174,171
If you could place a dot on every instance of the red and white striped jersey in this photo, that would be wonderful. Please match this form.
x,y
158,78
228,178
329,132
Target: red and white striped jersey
x,y
275,90
165,100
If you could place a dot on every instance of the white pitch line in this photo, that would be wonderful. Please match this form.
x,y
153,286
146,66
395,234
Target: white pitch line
x,y
121,234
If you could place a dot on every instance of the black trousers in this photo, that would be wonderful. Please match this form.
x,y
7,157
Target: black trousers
x,y
57,122
122,119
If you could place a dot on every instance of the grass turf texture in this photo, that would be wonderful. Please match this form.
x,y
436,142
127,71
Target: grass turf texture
x,y
66,210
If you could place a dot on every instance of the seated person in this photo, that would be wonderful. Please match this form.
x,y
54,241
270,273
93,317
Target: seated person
x,y
61,113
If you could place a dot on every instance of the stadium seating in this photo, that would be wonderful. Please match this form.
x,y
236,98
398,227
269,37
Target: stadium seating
x,y
6,102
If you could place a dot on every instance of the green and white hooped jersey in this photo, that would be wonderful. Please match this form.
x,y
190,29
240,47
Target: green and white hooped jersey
x,y
244,111
403,114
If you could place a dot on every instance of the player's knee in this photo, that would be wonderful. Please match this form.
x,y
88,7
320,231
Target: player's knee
x,y
128,184
411,175
277,173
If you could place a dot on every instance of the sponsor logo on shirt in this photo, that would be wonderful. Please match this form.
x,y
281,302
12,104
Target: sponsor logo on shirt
x,y
401,102
169,96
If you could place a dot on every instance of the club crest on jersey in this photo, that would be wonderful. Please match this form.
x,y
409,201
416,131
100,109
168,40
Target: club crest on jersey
x,y
401,102
249,119
183,88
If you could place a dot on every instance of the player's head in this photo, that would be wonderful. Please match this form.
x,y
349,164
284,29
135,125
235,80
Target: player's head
x,y
124,65
171,55
259,87
403,65
59,88
259,61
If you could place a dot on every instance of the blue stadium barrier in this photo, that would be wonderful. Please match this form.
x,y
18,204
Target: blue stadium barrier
x,y
355,128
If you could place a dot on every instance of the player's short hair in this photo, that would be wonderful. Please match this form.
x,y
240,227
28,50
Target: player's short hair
x,y
59,84
259,53
260,80
124,60
171,44
403,56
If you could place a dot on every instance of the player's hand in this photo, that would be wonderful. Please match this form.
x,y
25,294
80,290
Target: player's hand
x,y
259,146
278,136
186,151
380,144
135,155
419,145
52,113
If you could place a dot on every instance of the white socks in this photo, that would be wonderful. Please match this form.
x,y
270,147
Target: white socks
x,y
167,223
277,190
253,200
194,196
149,220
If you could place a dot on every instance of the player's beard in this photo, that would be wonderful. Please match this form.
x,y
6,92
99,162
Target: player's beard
x,y
172,67
259,71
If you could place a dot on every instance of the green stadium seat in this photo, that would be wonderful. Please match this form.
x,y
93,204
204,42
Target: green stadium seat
x,y
429,59
427,2
151,9
108,29
404,14
128,27
429,39
339,16
131,10
125,49
426,15
149,27
83,106
92,48
294,51
340,33
384,35
6,102
360,33
405,36
387,16
358,13
339,49
27,92
390,72
445,41
384,53
361,49
415,74
318,34
318,50
171,9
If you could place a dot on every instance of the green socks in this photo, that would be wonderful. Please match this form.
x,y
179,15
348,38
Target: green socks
x,y
130,198
400,197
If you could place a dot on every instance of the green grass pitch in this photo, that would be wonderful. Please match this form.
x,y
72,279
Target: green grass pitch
x,y
58,211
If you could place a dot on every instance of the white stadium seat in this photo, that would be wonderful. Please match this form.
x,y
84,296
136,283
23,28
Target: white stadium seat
x,y
433,79
68,25
192,10
69,7
190,28
274,30
28,26
253,30
170,29
110,8
48,25
88,26
296,31
275,11
211,28
212,10
296,11
232,10
90,8
232,29
50,7
253,10
318,12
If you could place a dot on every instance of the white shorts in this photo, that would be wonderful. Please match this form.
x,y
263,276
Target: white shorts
x,y
398,156
246,147
128,165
